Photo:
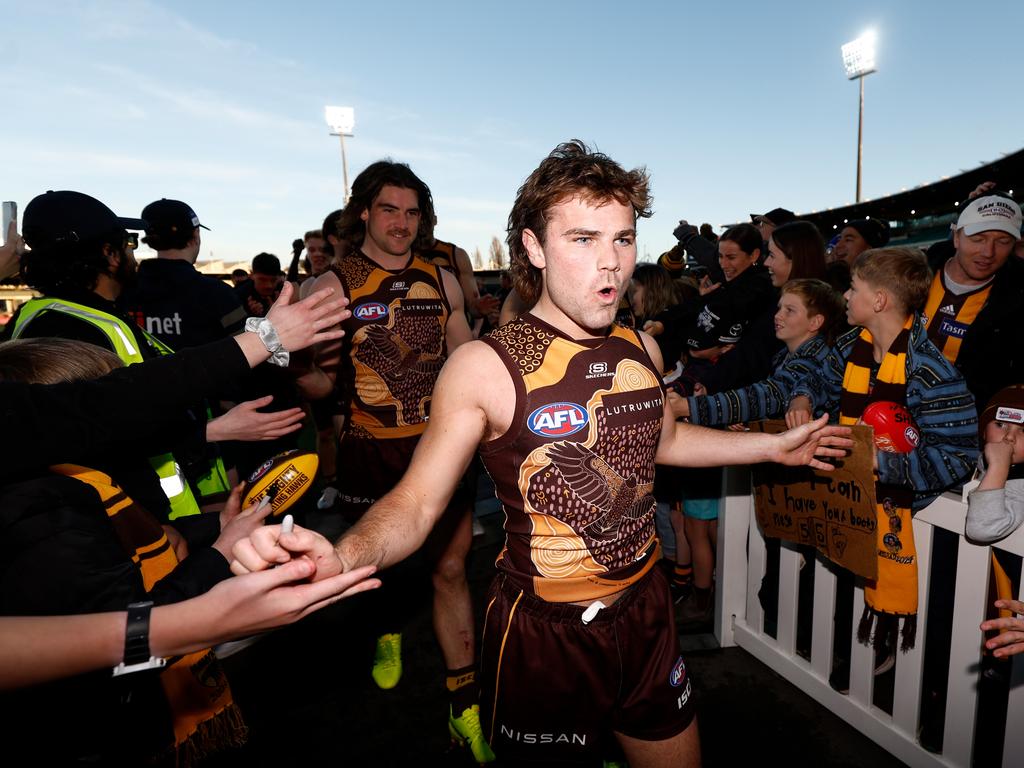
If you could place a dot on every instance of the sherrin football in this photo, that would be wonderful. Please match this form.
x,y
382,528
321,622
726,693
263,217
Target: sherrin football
x,y
894,429
286,476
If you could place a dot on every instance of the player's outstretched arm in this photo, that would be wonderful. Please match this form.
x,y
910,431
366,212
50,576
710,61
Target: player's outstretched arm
x,y
398,524
686,445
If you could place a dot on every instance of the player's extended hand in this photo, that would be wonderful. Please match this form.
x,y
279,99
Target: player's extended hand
x,y
246,422
808,443
315,319
267,546
1010,640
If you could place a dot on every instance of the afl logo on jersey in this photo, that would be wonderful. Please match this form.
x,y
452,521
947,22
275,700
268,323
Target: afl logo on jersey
x,y
557,420
678,673
373,310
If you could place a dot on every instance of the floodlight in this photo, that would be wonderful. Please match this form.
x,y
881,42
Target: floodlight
x,y
341,120
859,56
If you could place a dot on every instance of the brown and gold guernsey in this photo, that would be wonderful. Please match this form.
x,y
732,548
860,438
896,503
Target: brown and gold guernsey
x,y
441,254
950,315
575,470
394,344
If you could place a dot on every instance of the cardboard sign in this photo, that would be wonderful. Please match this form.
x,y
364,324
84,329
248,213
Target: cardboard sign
x,y
831,511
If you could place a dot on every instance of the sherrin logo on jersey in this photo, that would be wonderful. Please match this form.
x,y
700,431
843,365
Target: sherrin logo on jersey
x,y
557,419
372,310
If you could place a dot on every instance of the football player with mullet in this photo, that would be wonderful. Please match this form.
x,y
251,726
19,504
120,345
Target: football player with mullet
x,y
569,415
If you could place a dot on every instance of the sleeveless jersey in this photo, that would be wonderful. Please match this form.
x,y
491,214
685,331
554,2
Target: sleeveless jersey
x,y
950,315
394,344
441,254
575,470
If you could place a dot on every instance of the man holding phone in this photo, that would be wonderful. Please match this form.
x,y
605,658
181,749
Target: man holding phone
x,y
13,244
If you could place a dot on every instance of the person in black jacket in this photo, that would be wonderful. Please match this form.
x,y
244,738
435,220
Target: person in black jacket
x,y
977,296
728,307
170,298
74,541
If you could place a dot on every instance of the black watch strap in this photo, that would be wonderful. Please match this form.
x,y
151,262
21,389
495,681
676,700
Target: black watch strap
x,y
136,641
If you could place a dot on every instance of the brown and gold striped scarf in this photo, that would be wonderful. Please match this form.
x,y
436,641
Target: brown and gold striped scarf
x,y
206,719
893,595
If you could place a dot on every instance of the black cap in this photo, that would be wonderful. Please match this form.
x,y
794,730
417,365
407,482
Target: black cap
x,y
874,232
62,217
776,216
165,218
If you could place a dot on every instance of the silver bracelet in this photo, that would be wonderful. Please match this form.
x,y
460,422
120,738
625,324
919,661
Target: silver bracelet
x,y
263,328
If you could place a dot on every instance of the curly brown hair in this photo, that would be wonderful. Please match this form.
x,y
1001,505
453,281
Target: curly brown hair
x,y
368,184
571,170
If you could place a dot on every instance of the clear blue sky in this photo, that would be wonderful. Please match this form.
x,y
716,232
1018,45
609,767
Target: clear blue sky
x,y
733,108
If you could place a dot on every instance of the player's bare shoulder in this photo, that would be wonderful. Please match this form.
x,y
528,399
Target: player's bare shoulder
x,y
652,348
475,375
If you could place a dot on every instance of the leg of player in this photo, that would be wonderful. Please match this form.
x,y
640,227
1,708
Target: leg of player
x,y
679,751
453,625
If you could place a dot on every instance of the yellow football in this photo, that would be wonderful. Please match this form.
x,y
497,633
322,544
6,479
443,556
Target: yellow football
x,y
284,477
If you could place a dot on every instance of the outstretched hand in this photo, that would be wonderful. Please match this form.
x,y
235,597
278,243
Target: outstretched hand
x,y
247,423
256,602
1010,640
237,523
809,443
315,319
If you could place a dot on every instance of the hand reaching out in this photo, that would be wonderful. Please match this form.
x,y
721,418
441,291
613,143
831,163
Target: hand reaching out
x,y
246,422
807,444
237,523
1010,640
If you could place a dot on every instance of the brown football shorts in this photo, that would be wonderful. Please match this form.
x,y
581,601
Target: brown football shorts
x,y
554,689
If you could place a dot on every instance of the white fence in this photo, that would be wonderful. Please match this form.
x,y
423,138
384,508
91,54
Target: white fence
x,y
740,621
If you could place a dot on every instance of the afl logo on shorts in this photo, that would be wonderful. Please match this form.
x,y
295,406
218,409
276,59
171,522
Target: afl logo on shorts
x,y
373,310
678,673
557,420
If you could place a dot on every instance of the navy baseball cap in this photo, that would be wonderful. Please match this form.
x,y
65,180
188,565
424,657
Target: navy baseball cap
x,y
169,217
56,218
776,216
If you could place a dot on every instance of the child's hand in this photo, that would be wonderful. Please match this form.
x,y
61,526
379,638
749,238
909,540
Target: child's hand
x,y
998,455
799,412
1010,641
679,406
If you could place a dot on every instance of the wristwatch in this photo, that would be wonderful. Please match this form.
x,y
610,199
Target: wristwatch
x,y
136,642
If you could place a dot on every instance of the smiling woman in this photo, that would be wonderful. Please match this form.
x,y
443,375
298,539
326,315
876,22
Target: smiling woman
x,y
746,292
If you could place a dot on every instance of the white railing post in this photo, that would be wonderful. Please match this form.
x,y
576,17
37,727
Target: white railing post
x,y
741,568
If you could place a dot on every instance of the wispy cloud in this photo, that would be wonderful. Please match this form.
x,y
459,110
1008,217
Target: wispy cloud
x,y
206,104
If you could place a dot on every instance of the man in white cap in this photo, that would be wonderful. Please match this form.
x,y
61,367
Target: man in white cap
x,y
977,297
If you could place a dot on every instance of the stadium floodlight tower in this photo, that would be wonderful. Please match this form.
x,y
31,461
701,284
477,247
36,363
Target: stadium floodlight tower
x,y
859,61
342,122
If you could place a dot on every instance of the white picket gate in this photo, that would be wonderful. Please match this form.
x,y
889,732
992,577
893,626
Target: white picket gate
x,y
739,621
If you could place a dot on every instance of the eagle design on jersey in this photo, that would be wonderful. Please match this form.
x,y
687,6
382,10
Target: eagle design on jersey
x,y
400,358
397,363
594,481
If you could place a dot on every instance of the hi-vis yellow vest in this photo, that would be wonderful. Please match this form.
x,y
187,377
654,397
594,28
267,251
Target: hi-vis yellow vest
x,y
123,343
